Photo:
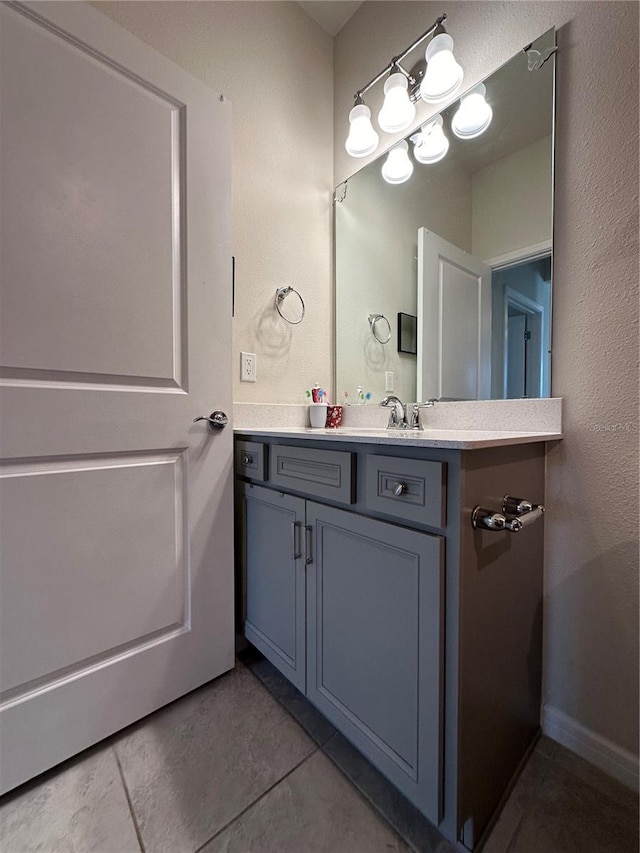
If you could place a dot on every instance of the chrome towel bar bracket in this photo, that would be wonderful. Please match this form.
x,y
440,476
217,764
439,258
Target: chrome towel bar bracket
x,y
516,514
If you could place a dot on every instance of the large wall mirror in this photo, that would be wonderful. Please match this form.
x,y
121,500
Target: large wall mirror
x,y
464,247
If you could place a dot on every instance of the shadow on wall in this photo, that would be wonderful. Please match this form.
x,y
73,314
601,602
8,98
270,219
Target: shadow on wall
x,y
272,332
591,626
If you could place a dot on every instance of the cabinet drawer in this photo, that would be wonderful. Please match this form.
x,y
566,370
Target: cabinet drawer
x,y
320,473
250,460
410,489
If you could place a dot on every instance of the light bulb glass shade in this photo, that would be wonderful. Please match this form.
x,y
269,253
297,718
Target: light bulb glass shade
x,y
443,75
431,144
362,139
397,111
474,114
397,168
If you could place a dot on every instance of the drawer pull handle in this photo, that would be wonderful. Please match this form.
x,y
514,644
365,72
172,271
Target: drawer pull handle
x,y
399,489
247,460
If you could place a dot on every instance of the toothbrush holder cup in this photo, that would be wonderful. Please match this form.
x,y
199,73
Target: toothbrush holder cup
x,y
317,415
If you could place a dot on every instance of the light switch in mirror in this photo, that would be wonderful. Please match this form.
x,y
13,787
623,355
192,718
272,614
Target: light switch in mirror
x,y
466,245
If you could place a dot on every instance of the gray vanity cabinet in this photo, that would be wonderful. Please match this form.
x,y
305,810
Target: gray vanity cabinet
x,y
374,653
274,578
418,636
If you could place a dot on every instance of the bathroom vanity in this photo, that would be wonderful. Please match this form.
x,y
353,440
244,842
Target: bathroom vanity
x,y
362,579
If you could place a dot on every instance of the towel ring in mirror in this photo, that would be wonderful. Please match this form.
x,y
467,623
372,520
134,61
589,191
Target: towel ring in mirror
x,y
382,335
281,295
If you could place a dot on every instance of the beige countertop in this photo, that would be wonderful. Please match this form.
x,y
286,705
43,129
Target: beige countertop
x,y
446,439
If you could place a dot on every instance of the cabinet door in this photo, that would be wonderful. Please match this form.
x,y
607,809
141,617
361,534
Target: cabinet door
x,y
274,578
374,642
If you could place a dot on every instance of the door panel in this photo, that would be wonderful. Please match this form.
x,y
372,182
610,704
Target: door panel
x,y
117,569
108,591
516,360
91,188
454,322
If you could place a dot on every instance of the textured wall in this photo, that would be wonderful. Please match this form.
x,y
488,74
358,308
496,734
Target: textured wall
x,y
275,65
591,607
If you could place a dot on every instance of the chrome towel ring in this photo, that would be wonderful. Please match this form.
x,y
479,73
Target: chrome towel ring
x,y
281,295
382,335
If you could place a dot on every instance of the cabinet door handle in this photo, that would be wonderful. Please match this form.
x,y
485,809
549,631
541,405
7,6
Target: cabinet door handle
x,y
399,489
308,545
295,539
247,460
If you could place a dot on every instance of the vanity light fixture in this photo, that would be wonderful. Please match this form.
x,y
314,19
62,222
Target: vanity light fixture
x,y
431,145
442,78
362,139
397,168
398,111
474,114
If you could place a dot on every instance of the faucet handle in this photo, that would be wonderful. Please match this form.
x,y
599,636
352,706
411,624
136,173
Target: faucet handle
x,y
415,413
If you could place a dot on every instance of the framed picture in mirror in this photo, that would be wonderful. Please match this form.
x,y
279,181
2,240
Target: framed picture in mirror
x,y
407,333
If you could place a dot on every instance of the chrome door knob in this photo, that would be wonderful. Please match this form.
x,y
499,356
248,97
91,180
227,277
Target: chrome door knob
x,y
399,489
217,420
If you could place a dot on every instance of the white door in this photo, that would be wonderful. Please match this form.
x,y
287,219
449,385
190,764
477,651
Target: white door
x,y
454,322
516,356
116,579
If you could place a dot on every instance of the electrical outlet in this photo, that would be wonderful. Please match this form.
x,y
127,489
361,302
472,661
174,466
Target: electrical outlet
x,y
388,380
247,367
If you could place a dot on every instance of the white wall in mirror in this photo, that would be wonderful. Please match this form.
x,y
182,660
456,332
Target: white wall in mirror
x,y
511,203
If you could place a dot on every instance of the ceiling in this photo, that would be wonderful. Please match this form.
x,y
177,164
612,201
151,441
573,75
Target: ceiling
x,y
332,15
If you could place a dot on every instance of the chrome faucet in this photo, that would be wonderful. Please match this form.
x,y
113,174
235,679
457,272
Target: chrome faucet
x,y
398,418
398,413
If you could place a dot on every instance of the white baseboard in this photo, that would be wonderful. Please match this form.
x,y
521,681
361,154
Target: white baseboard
x,y
598,750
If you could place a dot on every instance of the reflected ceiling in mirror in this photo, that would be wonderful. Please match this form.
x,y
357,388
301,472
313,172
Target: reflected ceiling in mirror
x,y
464,245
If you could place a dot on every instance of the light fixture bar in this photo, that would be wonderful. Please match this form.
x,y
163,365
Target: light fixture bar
x,y
395,62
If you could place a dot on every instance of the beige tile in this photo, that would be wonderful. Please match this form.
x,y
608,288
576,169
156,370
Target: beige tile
x,y
587,772
81,808
195,765
314,810
566,814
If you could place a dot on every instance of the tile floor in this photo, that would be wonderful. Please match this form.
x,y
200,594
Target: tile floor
x,y
246,765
